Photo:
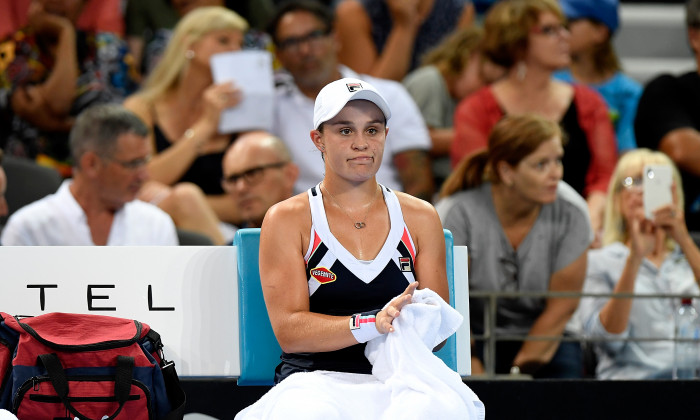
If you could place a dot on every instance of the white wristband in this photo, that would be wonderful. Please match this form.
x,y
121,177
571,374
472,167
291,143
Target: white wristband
x,y
363,327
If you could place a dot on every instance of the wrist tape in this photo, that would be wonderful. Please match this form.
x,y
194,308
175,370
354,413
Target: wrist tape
x,y
362,326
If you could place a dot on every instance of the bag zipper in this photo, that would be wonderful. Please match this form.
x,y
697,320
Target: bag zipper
x,y
104,345
56,399
35,381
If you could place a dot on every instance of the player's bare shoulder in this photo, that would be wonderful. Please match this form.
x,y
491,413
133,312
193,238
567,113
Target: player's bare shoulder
x,y
414,208
288,221
419,215
294,210
422,221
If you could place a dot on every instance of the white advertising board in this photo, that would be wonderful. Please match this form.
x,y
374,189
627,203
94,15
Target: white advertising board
x,y
461,283
188,294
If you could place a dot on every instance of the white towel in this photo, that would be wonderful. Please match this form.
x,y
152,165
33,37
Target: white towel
x,y
420,382
6,415
407,379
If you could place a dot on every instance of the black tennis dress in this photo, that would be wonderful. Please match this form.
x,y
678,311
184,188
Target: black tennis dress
x,y
340,284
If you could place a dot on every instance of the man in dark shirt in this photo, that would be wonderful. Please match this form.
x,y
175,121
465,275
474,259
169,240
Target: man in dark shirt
x,y
668,119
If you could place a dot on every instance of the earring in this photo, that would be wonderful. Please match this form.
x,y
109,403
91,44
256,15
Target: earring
x,y
521,71
189,54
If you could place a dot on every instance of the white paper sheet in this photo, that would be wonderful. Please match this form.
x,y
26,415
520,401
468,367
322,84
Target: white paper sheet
x,y
251,71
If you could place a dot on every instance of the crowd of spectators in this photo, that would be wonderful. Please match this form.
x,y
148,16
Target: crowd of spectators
x,y
452,72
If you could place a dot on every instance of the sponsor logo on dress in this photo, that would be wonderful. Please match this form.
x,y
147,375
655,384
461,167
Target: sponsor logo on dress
x,y
405,263
322,275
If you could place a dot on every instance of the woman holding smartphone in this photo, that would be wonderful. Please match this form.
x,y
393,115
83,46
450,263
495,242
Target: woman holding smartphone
x,y
641,256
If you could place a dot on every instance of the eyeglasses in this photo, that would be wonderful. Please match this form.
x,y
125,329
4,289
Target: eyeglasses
x,y
630,183
551,30
292,44
251,176
131,165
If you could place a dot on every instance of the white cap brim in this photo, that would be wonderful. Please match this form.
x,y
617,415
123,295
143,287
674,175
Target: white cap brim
x,y
335,95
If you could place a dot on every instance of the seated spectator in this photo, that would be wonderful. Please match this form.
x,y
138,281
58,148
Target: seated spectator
x,y
668,120
387,38
639,256
530,39
258,173
450,72
306,48
595,64
527,232
51,72
110,147
182,105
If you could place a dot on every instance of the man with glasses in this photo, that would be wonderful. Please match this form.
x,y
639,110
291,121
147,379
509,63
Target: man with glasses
x,y
258,173
307,48
110,149
668,119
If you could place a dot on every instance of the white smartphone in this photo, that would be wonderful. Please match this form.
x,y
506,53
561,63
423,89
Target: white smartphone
x,y
656,183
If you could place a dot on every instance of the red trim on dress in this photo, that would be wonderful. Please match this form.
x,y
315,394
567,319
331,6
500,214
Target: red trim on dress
x,y
407,241
317,242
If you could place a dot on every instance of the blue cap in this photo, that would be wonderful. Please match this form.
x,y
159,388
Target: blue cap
x,y
604,11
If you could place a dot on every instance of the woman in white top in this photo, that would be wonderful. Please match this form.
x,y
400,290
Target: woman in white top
x,y
639,256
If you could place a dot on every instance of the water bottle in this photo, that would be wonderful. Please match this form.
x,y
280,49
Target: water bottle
x,y
686,353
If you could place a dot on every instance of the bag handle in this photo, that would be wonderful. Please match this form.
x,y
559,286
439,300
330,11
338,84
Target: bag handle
x,y
59,380
176,395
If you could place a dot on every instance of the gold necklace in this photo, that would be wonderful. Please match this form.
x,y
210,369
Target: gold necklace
x,y
358,225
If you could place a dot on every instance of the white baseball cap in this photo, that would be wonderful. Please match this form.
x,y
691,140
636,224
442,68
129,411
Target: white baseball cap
x,y
335,95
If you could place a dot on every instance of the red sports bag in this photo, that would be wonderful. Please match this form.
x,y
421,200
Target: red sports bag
x,y
66,366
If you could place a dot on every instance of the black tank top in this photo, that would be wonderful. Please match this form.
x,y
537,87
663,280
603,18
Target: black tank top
x,y
341,285
577,156
204,172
